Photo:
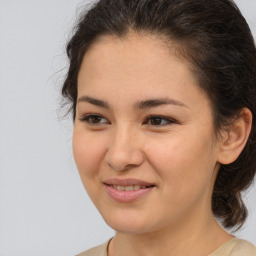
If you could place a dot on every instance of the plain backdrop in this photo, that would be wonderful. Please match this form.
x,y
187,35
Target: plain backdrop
x,y
44,209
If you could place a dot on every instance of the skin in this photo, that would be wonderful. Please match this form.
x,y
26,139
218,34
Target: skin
x,y
181,157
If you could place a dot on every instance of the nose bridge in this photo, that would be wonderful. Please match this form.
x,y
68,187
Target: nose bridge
x,y
124,148
124,134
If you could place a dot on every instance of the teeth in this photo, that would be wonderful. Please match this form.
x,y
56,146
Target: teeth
x,y
136,187
128,188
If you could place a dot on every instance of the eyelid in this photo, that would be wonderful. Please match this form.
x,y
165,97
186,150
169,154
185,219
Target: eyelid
x,y
168,119
85,118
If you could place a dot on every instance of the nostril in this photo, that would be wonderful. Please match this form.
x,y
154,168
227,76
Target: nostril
x,y
124,160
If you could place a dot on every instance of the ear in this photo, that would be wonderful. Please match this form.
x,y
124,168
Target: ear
x,y
235,137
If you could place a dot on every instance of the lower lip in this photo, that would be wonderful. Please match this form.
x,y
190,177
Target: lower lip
x,y
127,196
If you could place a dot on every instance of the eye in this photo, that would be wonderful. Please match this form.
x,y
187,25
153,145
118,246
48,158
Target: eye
x,y
94,119
158,121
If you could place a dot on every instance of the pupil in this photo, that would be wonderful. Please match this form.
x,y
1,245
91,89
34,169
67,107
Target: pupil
x,y
156,121
95,119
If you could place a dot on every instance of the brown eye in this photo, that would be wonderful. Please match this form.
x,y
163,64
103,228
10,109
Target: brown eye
x,y
155,121
94,119
158,121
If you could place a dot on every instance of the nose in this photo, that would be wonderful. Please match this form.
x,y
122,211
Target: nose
x,y
124,151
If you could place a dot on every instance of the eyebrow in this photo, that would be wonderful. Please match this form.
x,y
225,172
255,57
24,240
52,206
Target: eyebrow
x,y
145,104
93,101
151,103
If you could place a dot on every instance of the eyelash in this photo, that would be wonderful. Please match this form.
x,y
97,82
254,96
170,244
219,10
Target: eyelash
x,y
88,119
167,120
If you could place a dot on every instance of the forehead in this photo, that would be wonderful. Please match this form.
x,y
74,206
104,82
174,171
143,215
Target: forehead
x,y
136,66
134,54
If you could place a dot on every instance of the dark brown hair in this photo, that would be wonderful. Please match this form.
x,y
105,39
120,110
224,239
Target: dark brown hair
x,y
216,40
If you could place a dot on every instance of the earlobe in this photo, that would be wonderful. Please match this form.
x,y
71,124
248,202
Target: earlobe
x,y
235,137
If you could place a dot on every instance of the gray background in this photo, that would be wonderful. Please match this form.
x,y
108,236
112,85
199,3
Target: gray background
x,y
44,209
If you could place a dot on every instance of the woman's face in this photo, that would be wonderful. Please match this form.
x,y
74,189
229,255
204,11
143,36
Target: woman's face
x,y
142,120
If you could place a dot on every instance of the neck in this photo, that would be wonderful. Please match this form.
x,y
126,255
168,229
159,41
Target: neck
x,y
196,238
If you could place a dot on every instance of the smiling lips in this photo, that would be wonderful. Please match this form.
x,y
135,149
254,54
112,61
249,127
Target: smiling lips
x,y
127,190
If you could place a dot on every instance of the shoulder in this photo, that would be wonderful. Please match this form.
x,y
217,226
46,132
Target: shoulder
x,y
236,247
100,250
243,248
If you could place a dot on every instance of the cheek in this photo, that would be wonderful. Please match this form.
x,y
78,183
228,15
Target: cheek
x,y
185,164
88,151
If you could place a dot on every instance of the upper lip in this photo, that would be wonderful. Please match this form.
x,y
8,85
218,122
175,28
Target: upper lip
x,y
127,182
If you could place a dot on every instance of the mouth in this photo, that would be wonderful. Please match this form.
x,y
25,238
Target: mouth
x,y
127,190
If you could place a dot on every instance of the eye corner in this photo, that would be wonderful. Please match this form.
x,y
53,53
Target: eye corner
x,y
159,121
94,119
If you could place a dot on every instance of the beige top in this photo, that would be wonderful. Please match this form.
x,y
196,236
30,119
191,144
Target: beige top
x,y
234,247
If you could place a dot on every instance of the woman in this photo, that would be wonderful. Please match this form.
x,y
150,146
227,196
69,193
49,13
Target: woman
x,y
163,96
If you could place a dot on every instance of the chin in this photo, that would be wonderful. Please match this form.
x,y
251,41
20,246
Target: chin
x,y
130,224
124,223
